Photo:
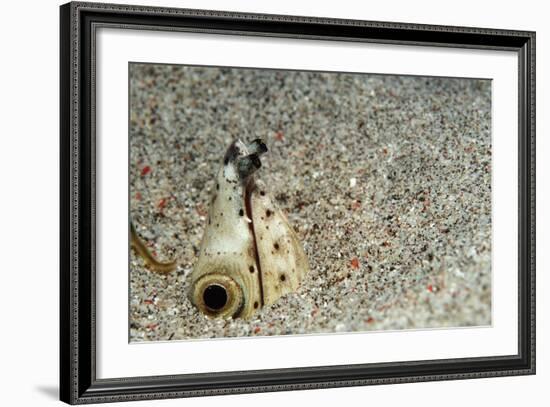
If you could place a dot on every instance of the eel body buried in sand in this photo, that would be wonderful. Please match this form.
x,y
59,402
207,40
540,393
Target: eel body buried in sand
x,y
249,255
150,261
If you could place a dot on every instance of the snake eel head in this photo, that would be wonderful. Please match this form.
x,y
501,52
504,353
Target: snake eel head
x,y
250,256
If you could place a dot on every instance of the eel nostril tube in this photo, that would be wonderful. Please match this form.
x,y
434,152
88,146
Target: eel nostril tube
x,y
215,297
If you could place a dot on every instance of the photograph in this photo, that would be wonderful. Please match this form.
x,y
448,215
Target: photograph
x,y
254,201
266,202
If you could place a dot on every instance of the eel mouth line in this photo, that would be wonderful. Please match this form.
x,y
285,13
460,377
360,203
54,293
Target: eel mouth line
x,y
249,189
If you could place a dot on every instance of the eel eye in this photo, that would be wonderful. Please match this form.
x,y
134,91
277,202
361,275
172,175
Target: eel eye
x,y
218,295
215,297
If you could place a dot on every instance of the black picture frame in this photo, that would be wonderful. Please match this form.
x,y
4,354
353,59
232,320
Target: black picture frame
x,y
78,382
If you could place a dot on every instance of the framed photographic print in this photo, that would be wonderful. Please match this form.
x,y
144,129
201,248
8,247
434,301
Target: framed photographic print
x,y
257,203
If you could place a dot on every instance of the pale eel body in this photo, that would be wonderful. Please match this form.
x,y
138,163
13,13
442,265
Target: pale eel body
x,y
250,256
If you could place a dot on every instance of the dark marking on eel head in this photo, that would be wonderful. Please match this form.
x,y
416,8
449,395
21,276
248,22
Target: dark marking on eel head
x,y
257,146
231,154
247,165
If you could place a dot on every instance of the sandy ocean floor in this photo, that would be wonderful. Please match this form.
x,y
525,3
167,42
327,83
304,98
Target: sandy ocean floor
x,y
386,179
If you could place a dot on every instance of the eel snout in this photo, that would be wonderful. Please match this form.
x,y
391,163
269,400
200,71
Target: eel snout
x,y
245,158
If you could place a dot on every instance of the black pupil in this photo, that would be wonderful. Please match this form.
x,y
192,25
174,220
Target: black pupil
x,y
215,297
